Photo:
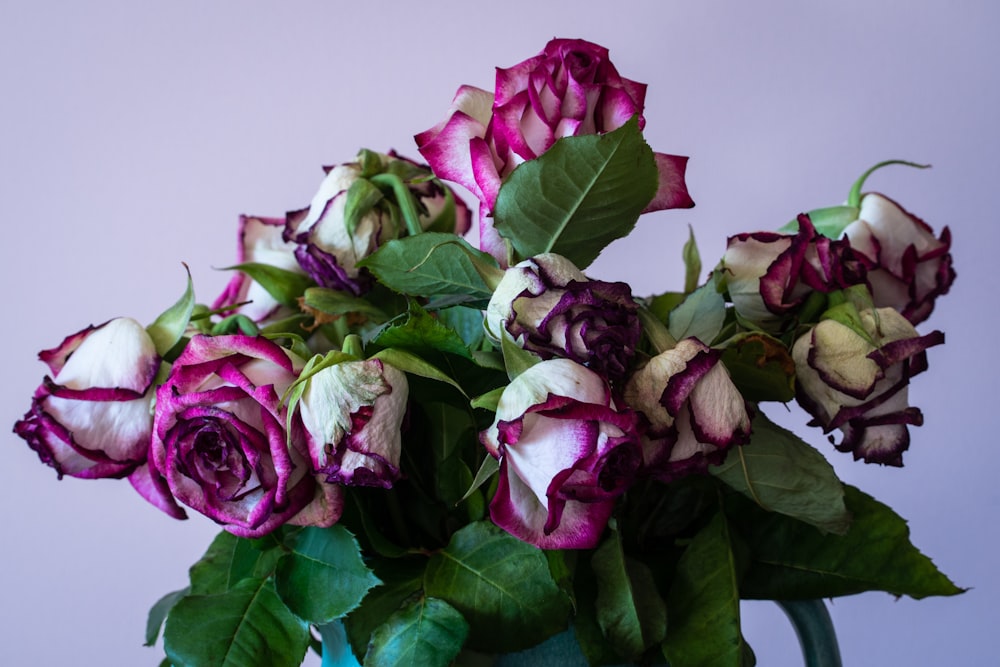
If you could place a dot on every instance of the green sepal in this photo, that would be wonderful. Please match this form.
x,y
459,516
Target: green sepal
x,y
700,315
854,197
339,302
361,198
692,263
169,327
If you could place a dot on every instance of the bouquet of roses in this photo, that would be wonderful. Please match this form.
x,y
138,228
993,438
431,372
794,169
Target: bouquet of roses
x,y
437,441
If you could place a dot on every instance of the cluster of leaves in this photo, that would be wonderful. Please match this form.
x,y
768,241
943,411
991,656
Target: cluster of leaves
x,y
418,575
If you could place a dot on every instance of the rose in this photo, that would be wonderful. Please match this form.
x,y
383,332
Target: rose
x,y
693,411
856,380
339,229
220,444
566,453
352,413
93,418
261,242
549,307
570,88
908,268
769,274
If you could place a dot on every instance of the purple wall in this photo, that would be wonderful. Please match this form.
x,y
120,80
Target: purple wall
x,y
133,134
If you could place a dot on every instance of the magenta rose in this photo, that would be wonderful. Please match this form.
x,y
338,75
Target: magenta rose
x,y
566,453
908,268
693,412
220,444
93,417
551,308
570,88
856,381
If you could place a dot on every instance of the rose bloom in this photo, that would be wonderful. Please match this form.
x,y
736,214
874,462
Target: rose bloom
x,y
858,383
549,307
219,440
769,274
908,268
261,242
329,252
352,413
570,88
93,417
693,411
566,453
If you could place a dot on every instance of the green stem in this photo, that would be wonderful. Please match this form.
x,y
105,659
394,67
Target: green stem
x,y
814,628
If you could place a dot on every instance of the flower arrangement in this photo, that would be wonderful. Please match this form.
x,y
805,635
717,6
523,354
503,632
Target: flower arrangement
x,y
439,439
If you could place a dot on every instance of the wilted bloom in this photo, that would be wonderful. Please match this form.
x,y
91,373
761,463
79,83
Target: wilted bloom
x,y
352,413
908,268
695,413
219,438
857,381
260,242
330,242
566,452
570,88
768,274
93,417
549,307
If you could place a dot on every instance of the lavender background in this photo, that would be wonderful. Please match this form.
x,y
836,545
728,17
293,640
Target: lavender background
x,y
133,134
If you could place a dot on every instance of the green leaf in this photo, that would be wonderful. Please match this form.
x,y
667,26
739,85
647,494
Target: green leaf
x,y
229,560
701,314
324,576
338,302
361,198
501,585
284,286
247,626
489,467
830,221
421,333
402,578
467,323
431,264
793,560
516,359
490,400
427,632
781,473
411,363
158,613
629,609
169,327
692,263
578,196
704,603
760,367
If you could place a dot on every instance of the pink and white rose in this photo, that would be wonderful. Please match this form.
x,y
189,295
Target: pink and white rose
x,y
566,453
693,412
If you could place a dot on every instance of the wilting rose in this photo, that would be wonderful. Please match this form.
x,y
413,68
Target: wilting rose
x,y
570,88
566,453
352,413
549,307
768,274
93,417
261,242
695,413
329,251
908,268
219,438
858,383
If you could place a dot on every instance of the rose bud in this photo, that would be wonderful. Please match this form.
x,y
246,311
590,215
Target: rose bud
x,y
352,413
220,444
328,246
93,417
549,307
769,274
566,453
570,88
695,413
908,268
858,382
261,242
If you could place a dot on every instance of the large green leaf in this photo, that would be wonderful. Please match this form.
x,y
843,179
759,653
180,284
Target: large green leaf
x,y
781,473
229,560
246,626
578,196
324,576
402,578
704,603
427,632
629,609
501,585
792,560
158,613
431,264
422,333
760,367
